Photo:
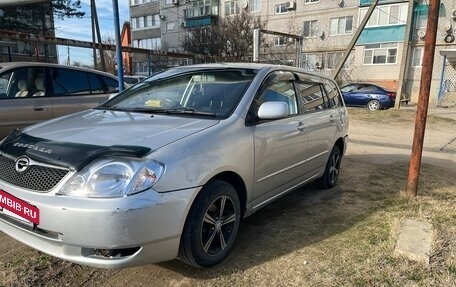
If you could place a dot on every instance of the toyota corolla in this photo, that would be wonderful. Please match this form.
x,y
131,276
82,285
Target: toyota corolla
x,y
168,168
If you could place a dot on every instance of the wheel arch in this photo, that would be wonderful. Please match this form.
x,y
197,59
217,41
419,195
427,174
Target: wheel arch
x,y
340,143
238,183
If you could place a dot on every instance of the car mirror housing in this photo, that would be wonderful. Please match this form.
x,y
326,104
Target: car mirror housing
x,y
273,110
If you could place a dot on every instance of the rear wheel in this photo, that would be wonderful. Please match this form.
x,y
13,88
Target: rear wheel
x,y
373,105
329,178
211,226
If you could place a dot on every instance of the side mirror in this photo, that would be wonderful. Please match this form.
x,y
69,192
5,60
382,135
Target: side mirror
x,y
273,110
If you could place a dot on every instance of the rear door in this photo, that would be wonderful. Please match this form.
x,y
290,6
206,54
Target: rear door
x,y
23,100
324,117
75,90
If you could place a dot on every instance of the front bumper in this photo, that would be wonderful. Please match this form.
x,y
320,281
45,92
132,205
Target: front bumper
x,y
142,228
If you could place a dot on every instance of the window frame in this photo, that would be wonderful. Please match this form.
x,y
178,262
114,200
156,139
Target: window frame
x,y
380,49
345,30
279,9
313,26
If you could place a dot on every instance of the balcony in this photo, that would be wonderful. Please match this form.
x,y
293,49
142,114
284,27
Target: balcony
x,y
201,13
369,2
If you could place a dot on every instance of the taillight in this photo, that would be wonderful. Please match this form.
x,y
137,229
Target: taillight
x,y
391,94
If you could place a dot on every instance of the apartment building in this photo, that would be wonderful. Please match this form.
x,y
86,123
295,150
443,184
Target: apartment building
x,y
33,19
327,27
145,26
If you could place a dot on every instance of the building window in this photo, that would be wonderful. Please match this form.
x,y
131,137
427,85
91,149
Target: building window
x,y
150,44
341,26
149,21
309,28
377,54
333,59
281,9
386,15
202,8
309,61
138,2
169,26
169,2
311,1
231,8
417,60
280,41
421,18
254,5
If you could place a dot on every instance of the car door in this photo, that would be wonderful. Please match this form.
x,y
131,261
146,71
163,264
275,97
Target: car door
x,y
23,100
280,145
324,116
75,90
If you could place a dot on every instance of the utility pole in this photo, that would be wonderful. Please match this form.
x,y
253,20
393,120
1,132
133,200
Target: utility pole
x,y
405,55
423,100
68,58
96,26
120,72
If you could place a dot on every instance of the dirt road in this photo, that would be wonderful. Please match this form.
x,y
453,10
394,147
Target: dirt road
x,y
288,243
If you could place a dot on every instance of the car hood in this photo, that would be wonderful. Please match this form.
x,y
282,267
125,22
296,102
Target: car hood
x,y
109,128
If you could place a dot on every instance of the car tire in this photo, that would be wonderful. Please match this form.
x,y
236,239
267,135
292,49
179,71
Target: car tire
x,y
211,226
332,169
373,105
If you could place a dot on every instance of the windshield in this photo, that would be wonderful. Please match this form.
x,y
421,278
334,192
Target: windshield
x,y
214,93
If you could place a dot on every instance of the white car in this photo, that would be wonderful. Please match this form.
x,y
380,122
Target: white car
x,y
169,167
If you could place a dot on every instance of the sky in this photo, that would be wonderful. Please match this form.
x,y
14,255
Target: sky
x,y
81,29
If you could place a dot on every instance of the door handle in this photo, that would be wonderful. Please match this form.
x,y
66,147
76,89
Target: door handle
x,y
38,108
301,127
331,118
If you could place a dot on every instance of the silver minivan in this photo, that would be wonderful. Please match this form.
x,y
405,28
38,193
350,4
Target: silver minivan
x,y
33,92
168,168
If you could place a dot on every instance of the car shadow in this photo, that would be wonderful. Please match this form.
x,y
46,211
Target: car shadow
x,y
310,214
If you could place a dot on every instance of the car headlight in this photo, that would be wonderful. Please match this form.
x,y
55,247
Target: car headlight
x,y
114,177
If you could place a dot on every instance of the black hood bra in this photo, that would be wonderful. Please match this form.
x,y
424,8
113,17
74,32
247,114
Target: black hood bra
x,y
73,156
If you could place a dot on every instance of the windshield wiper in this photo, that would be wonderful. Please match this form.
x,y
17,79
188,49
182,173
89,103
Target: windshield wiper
x,y
189,111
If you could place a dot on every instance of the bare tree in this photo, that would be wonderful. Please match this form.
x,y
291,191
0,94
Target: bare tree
x,y
110,56
231,38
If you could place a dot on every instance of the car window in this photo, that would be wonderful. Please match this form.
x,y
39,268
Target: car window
x,y
277,90
214,92
334,99
96,86
348,88
69,82
311,96
111,85
22,82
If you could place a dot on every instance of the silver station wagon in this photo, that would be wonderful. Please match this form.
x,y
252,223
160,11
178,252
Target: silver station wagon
x,y
168,168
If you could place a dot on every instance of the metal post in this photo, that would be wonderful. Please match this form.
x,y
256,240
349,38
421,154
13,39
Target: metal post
x,y
10,54
120,76
423,100
256,44
405,55
439,95
149,64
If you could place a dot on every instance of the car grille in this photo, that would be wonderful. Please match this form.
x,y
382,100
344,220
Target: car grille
x,y
38,178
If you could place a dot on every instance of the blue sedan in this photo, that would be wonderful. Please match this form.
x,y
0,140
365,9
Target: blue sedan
x,y
367,95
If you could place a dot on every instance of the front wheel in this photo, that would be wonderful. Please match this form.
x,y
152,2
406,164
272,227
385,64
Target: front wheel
x,y
211,226
332,169
373,105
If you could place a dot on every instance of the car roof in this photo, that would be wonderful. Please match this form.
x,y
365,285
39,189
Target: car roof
x,y
254,66
8,65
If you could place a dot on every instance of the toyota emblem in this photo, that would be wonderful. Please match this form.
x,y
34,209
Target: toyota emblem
x,y
22,164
